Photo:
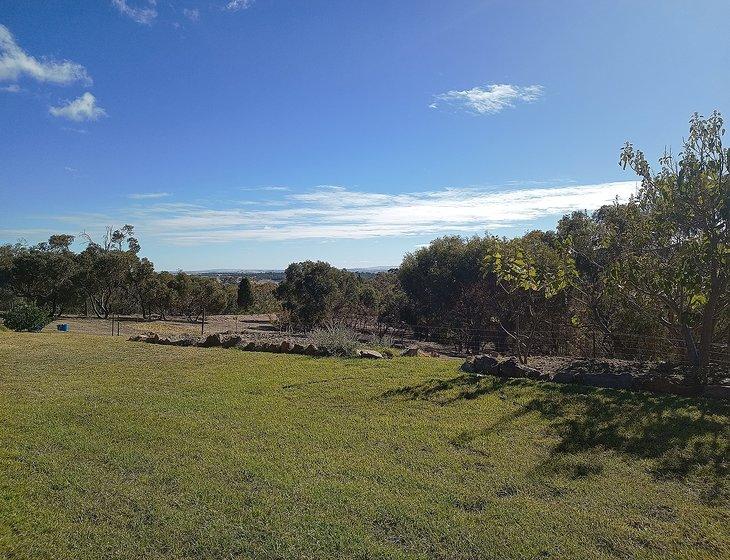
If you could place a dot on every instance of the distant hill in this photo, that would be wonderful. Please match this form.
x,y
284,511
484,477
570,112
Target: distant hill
x,y
231,275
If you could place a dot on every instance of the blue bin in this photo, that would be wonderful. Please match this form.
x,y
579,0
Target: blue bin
x,y
63,327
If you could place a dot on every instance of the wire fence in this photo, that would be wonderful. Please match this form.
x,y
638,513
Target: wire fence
x,y
560,341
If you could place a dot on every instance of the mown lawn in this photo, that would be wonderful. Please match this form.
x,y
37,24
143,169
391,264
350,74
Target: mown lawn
x,y
111,449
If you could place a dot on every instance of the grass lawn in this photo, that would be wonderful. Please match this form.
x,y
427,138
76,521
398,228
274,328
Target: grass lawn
x,y
113,449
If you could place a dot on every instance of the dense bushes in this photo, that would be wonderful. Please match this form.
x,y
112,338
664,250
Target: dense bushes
x,y
26,317
339,341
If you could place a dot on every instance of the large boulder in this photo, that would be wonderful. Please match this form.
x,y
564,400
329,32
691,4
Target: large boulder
x,y
210,341
563,377
138,338
674,385
311,350
485,364
285,347
229,341
369,354
298,348
511,367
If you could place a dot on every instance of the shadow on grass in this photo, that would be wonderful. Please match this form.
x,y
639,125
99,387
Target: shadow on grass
x,y
680,436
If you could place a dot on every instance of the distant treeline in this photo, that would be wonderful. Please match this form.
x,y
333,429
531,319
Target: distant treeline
x,y
647,278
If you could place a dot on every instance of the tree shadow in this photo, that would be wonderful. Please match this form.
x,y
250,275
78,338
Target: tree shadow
x,y
443,392
679,436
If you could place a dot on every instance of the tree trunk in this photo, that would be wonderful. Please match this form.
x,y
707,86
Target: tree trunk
x,y
693,356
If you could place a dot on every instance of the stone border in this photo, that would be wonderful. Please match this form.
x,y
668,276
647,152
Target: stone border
x,y
225,340
674,385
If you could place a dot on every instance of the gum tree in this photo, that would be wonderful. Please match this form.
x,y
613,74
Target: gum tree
x,y
676,250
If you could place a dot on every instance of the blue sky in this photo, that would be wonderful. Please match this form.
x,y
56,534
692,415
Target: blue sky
x,y
249,134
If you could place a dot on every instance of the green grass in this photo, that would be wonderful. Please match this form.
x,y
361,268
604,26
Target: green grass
x,y
111,449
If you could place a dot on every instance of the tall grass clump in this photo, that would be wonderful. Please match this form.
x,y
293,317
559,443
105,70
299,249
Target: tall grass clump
x,y
339,341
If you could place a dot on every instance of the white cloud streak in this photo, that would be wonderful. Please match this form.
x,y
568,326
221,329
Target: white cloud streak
x,y
488,100
15,63
147,196
236,5
83,108
334,212
144,16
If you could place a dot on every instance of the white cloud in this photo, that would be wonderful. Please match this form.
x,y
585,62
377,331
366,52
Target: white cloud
x,y
15,63
12,88
144,15
145,196
488,100
192,14
235,5
334,212
83,108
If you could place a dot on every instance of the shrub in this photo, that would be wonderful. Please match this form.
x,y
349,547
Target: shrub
x,y
26,317
384,340
340,341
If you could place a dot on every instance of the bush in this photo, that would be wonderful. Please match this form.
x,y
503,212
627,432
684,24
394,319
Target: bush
x,y
26,317
340,341
383,340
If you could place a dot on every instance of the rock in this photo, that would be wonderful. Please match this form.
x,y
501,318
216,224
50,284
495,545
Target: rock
x,y
323,352
185,341
311,350
608,380
512,367
388,353
673,385
285,347
152,338
230,341
298,348
138,338
717,391
210,341
370,354
563,377
483,364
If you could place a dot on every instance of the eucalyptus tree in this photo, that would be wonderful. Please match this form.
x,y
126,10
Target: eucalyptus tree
x,y
675,250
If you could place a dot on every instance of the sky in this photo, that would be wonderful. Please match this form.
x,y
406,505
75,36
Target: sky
x,y
253,133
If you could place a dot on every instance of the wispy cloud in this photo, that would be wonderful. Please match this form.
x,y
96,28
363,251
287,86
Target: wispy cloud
x,y
12,88
146,196
144,15
488,100
236,5
15,63
192,14
82,108
336,212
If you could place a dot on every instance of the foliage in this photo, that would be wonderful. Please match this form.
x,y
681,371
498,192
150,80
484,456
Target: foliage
x,y
673,246
531,274
317,294
244,295
26,317
338,340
